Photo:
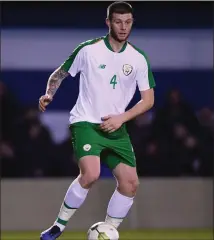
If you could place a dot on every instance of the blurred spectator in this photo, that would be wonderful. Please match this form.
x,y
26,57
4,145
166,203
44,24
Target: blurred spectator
x,y
175,110
177,126
152,160
206,118
9,112
139,129
9,161
149,153
185,151
65,162
34,144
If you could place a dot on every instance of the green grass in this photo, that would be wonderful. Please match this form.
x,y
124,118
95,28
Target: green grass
x,y
124,235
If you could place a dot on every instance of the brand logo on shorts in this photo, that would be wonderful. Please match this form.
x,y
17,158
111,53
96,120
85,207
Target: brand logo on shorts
x,y
87,147
127,69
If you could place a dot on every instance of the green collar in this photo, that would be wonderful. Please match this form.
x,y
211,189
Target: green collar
x,y
108,45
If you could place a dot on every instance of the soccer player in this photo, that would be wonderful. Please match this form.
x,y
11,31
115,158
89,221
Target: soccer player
x,y
110,69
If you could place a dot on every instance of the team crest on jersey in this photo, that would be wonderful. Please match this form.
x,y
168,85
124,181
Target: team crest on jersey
x,y
127,69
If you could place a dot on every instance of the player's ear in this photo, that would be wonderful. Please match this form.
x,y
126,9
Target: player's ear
x,y
107,22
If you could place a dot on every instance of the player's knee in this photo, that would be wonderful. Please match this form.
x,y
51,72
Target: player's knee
x,y
135,185
132,186
89,178
129,188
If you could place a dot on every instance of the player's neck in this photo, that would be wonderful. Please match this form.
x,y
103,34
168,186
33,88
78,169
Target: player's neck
x,y
115,45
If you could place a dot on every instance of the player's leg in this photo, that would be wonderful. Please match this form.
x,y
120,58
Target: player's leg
x,y
75,196
78,190
123,196
87,152
121,160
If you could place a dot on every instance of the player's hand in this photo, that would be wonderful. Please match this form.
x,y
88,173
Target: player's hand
x,y
44,101
111,123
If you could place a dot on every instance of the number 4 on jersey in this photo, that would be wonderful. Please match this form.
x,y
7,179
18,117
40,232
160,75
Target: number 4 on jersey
x,y
113,81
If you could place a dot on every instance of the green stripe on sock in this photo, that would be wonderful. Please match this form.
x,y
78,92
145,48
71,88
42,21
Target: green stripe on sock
x,y
68,206
63,222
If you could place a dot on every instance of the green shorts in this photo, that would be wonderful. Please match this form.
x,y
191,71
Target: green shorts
x,y
112,148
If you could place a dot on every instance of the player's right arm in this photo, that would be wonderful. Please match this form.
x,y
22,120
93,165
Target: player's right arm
x,y
53,84
72,66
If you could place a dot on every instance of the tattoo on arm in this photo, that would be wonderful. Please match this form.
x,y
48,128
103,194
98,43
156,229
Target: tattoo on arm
x,y
55,80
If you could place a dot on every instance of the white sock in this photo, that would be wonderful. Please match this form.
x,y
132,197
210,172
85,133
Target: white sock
x,y
118,208
74,198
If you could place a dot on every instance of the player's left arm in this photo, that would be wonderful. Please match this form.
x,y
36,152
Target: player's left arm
x,y
112,123
145,104
146,83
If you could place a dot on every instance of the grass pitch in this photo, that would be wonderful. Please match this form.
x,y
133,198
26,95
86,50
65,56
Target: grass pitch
x,y
199,234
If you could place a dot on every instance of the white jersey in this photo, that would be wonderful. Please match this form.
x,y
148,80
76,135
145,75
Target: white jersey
x,y
108,79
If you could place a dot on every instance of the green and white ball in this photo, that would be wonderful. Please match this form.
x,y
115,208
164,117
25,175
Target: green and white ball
x,y
102,231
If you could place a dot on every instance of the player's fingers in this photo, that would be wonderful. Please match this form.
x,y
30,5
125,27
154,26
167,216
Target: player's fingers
x,y
106,128
104,125
41,108
42,98
47,99
113,130
41,103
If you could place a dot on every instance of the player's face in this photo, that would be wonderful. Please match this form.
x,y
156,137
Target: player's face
x,y
120,26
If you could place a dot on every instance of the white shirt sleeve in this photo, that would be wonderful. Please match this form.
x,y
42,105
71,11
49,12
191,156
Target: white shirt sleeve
x,y
144,76
74,64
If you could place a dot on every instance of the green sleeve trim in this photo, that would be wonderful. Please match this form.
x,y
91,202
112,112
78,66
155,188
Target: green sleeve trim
x,y
152,83
68,62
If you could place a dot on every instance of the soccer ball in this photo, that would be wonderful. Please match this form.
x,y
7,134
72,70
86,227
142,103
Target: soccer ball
x,y
102,231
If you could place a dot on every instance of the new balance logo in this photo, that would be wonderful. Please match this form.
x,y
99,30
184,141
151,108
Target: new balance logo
x,y
102,66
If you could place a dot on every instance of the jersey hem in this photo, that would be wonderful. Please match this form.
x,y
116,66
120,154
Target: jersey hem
x,y
84,120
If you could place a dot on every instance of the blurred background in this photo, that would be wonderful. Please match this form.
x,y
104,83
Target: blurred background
x,y
173,142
